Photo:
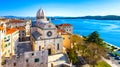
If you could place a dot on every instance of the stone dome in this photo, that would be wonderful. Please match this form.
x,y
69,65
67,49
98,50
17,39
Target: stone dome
x,y
41,14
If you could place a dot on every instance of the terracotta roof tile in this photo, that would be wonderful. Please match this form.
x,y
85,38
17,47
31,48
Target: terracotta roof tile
x,y
3,19
62,32
11,30
21,28
1,28
16,21
65,25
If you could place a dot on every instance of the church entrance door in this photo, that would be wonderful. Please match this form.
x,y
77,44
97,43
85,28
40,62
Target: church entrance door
x,y
49,51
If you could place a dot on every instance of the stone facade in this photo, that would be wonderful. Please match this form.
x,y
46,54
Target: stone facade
x,y
65,30
0,48
44,35
9,40
66,27
28,59
44,39
9,35
22,25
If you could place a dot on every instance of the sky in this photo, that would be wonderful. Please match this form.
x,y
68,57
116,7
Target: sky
x,y
71,8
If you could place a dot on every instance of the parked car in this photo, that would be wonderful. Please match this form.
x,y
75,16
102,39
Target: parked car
x,y
117,58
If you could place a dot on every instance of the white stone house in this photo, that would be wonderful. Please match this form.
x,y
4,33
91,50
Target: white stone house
x,y
28,59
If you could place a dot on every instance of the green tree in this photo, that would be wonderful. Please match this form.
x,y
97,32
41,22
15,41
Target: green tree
x,y
93,54
91,48
72,56
112,48
94,37
95,48
82,49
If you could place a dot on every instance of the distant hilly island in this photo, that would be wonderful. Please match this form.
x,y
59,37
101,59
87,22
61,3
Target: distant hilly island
x,y
108,17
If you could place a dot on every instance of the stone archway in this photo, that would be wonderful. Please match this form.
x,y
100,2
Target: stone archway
x,y
51,49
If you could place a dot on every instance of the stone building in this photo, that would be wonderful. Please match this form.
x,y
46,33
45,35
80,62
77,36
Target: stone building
x,y
22,25
28,59
10,31
44,38
66,38
44,35
66,27
9,39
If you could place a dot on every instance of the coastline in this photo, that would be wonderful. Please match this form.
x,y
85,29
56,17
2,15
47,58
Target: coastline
x,y
109,44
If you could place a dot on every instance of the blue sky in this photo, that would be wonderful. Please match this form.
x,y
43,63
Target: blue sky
x,y
60,7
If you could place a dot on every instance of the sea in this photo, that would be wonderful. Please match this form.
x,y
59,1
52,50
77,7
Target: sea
x,y
109,30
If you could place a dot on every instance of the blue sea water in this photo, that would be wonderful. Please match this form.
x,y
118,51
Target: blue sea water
x,y
109,30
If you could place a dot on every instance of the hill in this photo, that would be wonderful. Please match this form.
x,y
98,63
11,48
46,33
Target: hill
x,y
108,17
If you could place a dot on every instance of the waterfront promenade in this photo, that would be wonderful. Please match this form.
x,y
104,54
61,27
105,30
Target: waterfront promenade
x,y
112,45
111,62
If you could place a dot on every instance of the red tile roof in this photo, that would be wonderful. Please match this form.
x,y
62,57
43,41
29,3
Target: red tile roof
x,y
1,28
65,25
3,19
11,30
62,32
16,21
21,28
12,20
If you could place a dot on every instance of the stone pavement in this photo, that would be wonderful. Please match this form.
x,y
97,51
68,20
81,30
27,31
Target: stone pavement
x,y
23,47
57,59
110,62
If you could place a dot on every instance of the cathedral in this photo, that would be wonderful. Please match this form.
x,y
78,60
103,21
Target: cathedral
x,y
44,35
